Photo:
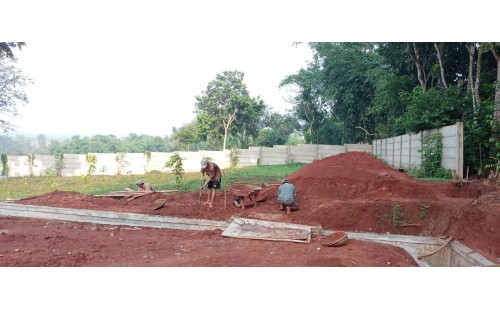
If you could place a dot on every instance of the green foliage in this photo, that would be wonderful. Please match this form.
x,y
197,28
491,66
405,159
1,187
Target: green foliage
x,y
234,157
91,160
6,48
224,108
187,137
22,187
423,210
121,161
110,144
12,92
295,139
431,153
30,162
277,129
50,177
175,162
397,215
59,163
494,159
5,165
147,154
433,108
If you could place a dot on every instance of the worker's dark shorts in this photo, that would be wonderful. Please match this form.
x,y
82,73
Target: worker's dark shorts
x,y
213,184
294,204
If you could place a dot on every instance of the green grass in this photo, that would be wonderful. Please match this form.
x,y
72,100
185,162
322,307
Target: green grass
x,y
22,187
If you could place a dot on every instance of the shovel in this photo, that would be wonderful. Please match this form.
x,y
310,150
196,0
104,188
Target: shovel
x,y
199,200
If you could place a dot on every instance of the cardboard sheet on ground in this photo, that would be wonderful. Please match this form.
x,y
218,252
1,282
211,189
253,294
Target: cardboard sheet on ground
x,y
266,230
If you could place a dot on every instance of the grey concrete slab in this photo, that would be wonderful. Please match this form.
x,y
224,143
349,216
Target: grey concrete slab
x,y
106,217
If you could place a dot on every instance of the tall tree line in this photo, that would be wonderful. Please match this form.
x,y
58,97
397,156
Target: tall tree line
x,y
357,92
22,145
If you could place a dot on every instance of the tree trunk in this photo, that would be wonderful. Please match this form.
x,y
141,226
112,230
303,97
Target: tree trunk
x,y
472,51
496,112
440,54
230,120
478,78
420,70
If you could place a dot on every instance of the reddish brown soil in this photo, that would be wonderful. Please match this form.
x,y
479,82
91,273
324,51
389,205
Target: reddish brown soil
x,y
352,192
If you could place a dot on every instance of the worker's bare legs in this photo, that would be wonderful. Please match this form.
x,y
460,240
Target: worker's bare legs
x,y
289,207
211,195
209,192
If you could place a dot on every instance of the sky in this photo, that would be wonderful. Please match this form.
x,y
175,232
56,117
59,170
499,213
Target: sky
x,y
121,88
120,67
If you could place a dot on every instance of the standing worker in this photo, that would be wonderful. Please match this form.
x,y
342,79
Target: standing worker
x,y
286,196
214,174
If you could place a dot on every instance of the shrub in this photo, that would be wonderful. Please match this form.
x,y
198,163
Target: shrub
x,y
175,162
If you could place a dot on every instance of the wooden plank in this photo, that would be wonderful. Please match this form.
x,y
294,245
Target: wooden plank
x,y
130,193
267,230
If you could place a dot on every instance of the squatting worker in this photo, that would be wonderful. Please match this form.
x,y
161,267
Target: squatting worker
x,y
214,174
286,196
144,186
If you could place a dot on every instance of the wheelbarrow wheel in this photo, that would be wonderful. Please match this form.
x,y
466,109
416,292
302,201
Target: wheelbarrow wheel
x,y
238,202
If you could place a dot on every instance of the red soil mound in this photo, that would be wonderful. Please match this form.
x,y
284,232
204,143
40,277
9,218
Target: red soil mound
x,y
354,175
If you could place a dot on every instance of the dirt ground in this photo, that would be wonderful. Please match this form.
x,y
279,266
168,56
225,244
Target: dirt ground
x,y
352,191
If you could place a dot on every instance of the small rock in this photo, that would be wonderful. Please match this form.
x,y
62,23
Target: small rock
x,y
388,263
112,234
318,249
16,250
120,238
69,253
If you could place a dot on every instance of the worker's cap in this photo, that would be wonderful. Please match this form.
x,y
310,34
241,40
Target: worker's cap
x,y
139,182
284,180
204,163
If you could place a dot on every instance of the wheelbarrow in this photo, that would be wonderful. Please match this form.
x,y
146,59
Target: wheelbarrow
x,y
248,195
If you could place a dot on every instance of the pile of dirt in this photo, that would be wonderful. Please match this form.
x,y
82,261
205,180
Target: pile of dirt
x,y
353,175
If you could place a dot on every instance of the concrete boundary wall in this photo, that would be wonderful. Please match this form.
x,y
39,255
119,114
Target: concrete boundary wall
x,y
404,151
304,153
138,163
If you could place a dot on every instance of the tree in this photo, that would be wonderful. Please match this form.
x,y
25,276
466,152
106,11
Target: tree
x,y
495,50
276,128
226,106
12,83
186,136
6,48
310,103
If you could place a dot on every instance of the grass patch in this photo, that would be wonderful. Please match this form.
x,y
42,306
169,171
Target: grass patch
x,y
22,187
